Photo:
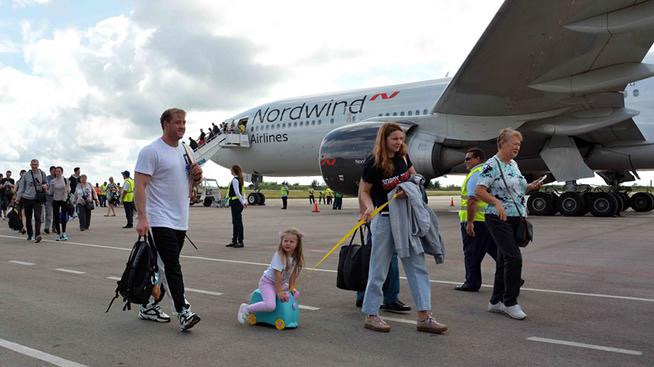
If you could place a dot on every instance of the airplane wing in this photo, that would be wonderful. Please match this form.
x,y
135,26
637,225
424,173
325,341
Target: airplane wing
x,y
553,55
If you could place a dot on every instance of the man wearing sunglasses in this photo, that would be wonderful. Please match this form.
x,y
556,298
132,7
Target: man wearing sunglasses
x,y
477,241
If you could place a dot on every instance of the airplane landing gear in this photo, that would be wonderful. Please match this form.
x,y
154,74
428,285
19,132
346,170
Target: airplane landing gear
x,y
256,197
577,200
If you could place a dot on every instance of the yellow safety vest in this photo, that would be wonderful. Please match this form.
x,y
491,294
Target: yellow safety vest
x,y
129,194
481,206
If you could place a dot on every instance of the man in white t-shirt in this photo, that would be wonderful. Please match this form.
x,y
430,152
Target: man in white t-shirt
x,y
162,202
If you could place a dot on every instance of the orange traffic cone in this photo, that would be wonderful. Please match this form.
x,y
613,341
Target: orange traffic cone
x,y
451,201
315,208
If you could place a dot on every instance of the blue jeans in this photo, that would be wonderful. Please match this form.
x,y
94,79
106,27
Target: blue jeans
x,y
380,259
391,286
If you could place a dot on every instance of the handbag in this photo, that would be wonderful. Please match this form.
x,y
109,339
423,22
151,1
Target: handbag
x,y
353,264
89,204
40,195
524,233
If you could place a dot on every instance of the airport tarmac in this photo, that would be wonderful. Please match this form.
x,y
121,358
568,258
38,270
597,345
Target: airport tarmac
x,y
589,297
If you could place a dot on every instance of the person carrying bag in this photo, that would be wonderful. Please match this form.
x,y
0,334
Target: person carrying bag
x,y
505,217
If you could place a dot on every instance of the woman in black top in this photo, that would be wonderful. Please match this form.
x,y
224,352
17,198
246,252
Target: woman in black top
x,y
389,166
237,203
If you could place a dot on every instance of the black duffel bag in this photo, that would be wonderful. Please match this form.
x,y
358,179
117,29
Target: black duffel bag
x,y
353,264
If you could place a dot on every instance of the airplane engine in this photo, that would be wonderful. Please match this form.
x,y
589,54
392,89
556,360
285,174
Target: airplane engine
x,y
344,150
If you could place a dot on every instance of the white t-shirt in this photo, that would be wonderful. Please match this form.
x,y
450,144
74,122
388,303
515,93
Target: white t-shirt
x,y
277,264
167,198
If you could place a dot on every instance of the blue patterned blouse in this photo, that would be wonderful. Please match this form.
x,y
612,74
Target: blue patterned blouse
x,y
490,177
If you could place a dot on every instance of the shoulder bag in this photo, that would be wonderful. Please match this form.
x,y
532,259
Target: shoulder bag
x,y
40,195
89,204
524,233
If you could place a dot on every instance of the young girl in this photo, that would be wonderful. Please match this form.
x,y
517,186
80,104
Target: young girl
x,y
281,275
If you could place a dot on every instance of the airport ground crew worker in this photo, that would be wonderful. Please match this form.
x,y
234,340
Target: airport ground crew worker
x,y
477,241
103,195
321,196
312,198
128,199
329,194
283,192
338,200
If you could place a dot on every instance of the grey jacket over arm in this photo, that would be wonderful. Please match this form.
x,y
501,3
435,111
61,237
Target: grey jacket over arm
x,y
27,190
414,224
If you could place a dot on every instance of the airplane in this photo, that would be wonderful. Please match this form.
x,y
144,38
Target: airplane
x,y
569,75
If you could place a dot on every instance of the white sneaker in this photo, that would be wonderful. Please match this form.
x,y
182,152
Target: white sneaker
x,y
153,313
496,308
187,319
515,312
243,313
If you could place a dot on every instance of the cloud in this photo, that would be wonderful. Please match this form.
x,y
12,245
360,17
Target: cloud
x,y
28,3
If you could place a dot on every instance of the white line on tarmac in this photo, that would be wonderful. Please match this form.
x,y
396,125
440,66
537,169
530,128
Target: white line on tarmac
x,y
113,278
597,295
587,346
37,354
70,271
411,322
202,291
21,262
310,308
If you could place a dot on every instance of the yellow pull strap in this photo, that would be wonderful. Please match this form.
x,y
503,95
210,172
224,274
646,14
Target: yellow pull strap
x,y
351,232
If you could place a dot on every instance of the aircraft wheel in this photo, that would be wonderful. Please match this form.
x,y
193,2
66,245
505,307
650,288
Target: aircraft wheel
x,y
207,201
262,199
642,201
541,203
571,204
253,198
604,205
280,324
621,203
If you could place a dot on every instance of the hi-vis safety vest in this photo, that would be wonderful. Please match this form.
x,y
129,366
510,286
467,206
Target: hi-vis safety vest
x,y
283,191
129,194
481,206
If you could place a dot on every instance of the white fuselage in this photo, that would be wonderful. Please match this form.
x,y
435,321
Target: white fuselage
x,y
285,136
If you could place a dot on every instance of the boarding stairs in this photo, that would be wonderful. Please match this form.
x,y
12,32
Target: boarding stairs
x,y
204,152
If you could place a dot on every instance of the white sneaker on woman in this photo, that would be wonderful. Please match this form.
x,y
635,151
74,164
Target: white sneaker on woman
x,y
515,312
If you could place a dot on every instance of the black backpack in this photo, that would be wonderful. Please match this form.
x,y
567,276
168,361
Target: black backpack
x,y
14,220
135,286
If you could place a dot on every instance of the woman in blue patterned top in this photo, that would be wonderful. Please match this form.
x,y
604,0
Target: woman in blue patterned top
x,y
506,204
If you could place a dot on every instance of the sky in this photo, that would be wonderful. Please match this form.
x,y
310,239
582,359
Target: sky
x,y
83,83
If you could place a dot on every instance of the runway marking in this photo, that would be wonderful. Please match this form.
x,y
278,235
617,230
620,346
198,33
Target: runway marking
x,y
37,354
587,346
309,308
21,262
203,291
597,295
113,278
70,271
404,321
